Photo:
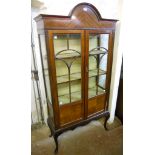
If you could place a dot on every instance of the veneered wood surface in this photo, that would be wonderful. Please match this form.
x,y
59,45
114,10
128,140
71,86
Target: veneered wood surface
x,y
83,16
83,19
90,105
70,113
96,104
60,118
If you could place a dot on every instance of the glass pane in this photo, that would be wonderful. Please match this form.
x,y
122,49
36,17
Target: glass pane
x,y
46,73
45,66
98,54
67,49
63,93
75,90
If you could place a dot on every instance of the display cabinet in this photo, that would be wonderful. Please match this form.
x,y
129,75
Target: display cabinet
x,y
76,54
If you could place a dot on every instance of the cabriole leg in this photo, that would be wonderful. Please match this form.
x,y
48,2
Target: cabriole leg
x,y
107,117
56,142
55,135
50,126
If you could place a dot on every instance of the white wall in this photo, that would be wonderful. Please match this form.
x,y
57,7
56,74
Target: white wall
x,y
38,59
108,9
116,69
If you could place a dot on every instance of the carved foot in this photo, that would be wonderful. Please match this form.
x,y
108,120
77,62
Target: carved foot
x,y
50,126
56,142
107,117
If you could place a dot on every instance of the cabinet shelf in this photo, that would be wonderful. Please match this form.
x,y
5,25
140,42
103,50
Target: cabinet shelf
x,y
76,96
97,52
67,55
73,55
96,72
65,78
77,76
92,91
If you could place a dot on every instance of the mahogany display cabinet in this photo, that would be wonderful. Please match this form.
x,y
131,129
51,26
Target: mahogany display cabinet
x,y
76,54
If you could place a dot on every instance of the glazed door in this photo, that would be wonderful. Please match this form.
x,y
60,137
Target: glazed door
x,y
98,70
67,74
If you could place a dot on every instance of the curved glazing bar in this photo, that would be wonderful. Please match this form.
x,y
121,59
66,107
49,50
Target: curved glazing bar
x,y
98,50
67,48
98,54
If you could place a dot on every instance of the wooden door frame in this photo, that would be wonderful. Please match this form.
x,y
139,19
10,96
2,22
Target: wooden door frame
x,y
52,71
109,64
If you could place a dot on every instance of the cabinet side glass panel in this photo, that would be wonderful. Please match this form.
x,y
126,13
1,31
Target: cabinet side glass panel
x,y
67,50
46,74
98,54
45,66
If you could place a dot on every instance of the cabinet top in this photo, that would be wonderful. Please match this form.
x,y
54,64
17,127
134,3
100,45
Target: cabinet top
x,y
82,16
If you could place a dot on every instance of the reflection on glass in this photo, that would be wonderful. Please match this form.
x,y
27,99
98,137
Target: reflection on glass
x,y
45,66
76,90
98,54
67,49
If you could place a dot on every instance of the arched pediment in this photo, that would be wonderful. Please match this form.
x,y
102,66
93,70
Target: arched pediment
x,y
85,9
82,16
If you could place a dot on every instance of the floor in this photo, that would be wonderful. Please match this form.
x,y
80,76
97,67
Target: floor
x,y
91,139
